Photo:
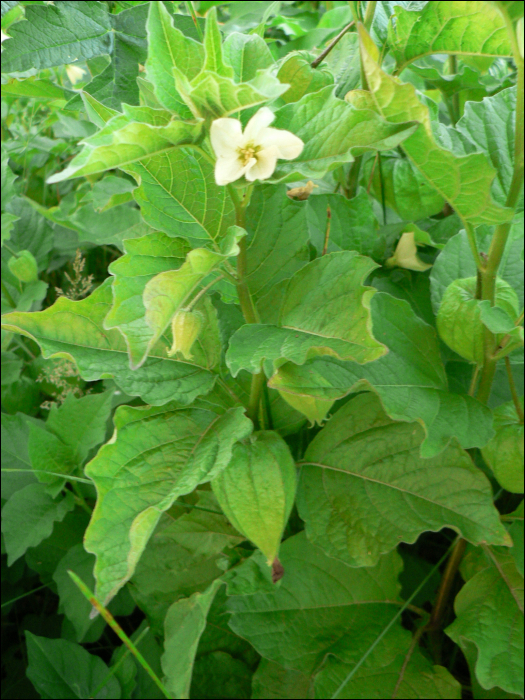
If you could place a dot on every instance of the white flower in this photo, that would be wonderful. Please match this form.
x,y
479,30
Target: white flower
x,y
254,152
406,255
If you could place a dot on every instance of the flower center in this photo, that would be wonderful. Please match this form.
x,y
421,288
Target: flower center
x,y
247,153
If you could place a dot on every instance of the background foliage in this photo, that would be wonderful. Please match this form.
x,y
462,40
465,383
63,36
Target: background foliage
x,y
383,464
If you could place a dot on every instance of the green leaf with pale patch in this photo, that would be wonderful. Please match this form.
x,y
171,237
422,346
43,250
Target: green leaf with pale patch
x,y
256,491
119,144
333,133
155,456
184,625
74,330
28,518
169,47
448,27
364,487
325,311
464,181
410,380
178,195
489,614
348,606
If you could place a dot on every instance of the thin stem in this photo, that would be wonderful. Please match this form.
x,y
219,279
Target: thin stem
x,y
258,382
331,45
453,69
513,390
327,234
369,15
24,595
203,292
445,587
474,381
415,641
80,498
473,243
191,10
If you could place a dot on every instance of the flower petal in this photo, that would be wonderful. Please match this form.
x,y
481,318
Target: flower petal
x,y
229,169
260,120
226,137
290,146
406,254
265,164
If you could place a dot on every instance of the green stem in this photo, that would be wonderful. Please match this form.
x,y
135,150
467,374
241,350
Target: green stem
x,y
247,306
454,104
501,233
369,15
80,498
513,390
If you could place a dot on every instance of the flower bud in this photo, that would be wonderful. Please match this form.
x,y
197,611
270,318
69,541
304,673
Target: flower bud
x,y
185,326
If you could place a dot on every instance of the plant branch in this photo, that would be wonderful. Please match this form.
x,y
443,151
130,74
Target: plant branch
x,y
327,234
445,587
514,391
331,45
369,14
415,641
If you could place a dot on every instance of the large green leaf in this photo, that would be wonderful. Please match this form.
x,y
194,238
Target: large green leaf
x,y
256,491
169,47
325,311
448,27
364,488
410,380
184,625
74,329
504,453
274,682
54,35
155,456
464,181
353,225
333,133
321,606
123,142
277,238
28,518
489,613
61,669
184,555
246,53
16,464
297,71
490,125
178,195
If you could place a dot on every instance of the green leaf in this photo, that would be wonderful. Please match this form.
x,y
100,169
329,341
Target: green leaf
x,y
489,613
33,87
178,195
504,453
333,133
364,488
54,35
60,669
15,454
184,625
143,470
302,78
184,556
169,47
447,27
274,682
489,124
79,335
210,95
516,532
214,60
221,670
277,239
168,292
410,380
405,189
348,606
353,225
463,181
246,54
118,145
24,267
325,311
393,669
256,491
28,518
109,192
50,456
11,368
